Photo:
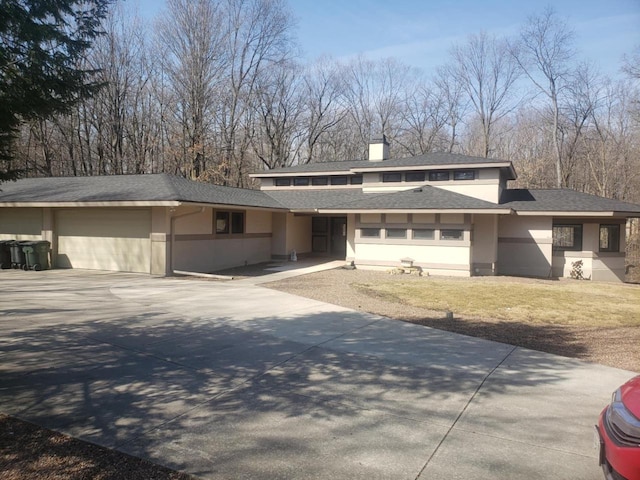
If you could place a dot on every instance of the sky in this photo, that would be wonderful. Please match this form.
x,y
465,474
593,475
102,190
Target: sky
x,y
420,33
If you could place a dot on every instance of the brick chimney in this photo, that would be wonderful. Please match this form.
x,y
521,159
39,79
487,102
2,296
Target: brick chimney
x,y
378,149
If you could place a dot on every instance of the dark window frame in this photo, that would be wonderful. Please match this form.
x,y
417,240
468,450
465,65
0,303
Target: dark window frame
x,y
356,180
415,177
431,237
301,182
282,182
365,231
447,234
396,230
462,173
564,241
319,181
613,237
391,177
229,222
338,180
435,175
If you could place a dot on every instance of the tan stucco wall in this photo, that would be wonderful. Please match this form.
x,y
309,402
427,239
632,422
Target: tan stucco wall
x,y
484,244
160,225
258,221
196,247
298,234
434,259
21,223
351,237
525,246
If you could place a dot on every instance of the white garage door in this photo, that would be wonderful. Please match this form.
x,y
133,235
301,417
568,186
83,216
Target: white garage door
x,y
104,239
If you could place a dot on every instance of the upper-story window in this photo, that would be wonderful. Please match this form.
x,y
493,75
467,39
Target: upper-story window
x,y
301,181
338,180
464,175
283,182
414,176
439,176
392,177
356,180
319,181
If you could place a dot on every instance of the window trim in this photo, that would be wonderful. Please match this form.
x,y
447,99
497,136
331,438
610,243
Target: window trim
x,y
230,217
433,176
301,181
421,174
576,238
282,182
390,177
370,230
445,236
457,173
615,248
395,229
414,230
319,181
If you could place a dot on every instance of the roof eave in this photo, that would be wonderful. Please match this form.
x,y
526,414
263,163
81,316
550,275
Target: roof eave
x,y
574,213
118,203
490,211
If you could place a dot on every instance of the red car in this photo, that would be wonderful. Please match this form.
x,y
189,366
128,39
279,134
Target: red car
x,y
618,433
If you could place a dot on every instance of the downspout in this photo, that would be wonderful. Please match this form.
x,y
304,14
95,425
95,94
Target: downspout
x,y
172,232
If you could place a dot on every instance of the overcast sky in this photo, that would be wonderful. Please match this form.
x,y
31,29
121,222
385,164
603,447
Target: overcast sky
x,y
420,32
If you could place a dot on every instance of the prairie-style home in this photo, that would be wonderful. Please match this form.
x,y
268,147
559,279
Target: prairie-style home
x,y
449,214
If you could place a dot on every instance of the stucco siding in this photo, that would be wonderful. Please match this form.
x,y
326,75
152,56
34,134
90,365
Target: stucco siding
x,y
525,246
484,244
21,223
434,259
210,255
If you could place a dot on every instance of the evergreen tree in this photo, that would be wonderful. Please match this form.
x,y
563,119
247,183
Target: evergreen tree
x,y
42,46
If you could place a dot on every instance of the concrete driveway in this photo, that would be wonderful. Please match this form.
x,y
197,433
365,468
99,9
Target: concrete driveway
x,y
228,380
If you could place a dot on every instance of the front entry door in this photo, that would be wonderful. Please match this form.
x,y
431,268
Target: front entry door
x,y
339,237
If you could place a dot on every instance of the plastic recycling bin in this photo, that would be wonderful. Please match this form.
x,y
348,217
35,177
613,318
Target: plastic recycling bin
x,y
17,255
5,253
36,255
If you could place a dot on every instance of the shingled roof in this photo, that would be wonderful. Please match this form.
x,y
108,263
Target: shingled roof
x,y
129,188
563,200
426,160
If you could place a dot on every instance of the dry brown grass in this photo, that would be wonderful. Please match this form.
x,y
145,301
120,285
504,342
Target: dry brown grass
x,y
575,303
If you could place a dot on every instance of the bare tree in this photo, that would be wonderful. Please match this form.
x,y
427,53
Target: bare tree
x,y
544,52
192,37
486,74
322,94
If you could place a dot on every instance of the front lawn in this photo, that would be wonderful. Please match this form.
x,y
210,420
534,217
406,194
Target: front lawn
x,y
564,302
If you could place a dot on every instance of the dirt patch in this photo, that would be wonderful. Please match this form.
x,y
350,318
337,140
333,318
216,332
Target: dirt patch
x,y
613,345
28,452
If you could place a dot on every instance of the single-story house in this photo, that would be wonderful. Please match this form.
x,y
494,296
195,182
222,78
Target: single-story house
x,y
451,214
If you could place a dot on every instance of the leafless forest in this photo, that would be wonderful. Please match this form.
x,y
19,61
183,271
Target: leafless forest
x,y
216,89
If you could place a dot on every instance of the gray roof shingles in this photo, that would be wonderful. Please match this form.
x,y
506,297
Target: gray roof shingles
x,y
129,188
428,159
565,200
163,187
426,197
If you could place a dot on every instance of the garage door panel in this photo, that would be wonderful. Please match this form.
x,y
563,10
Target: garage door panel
x,y
116,240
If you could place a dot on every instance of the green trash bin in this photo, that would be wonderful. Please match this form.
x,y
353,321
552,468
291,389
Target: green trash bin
x,y
5,253
36,255
17,255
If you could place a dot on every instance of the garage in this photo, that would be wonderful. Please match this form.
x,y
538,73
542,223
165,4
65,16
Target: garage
x,y
104,239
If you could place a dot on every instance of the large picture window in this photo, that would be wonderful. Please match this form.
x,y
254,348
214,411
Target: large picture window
x,y
567,237
609,238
